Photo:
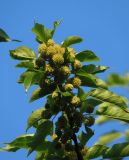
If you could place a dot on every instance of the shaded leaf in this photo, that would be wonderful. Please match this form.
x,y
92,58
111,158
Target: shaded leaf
x,y
108,96
93,69
91,80
3,36
38,93
34,117
22,53
71,40
113,112
108,137
87,56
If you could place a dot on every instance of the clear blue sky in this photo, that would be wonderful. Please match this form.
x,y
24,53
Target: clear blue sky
x,y
104,25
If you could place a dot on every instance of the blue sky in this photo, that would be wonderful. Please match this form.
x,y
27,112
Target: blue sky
x,y
104,26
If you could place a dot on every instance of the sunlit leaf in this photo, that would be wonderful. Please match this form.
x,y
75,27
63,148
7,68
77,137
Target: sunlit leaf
x,y
71,40
102,119
26,64
87,56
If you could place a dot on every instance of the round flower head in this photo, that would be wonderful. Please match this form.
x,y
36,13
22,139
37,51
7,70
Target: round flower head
x,y
50,42
49,69
75,101
54,94
68,87
58,59
76,82
65,70
50,51
42,48
59,49
77,64
71,56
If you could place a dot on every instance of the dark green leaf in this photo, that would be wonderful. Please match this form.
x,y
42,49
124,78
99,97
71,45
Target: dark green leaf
x,y
117,150
93,69
91,80
108,96
22,53
87,56
3,36
108,137
71,40
42,33
44,129
34,117
89,103
38,93
113,112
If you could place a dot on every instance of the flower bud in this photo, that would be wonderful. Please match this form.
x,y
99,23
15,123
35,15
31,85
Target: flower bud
x,y
77,65
50,42
54,94
42,48
76,82
65,70
58,59
75,101
68,87
49,69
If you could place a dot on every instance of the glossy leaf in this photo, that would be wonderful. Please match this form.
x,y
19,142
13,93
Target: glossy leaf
x,y
34,117
71,40
108,137
42,33
102,119
113,112
22,53
87,56
93,69
91,80
20,142
108,96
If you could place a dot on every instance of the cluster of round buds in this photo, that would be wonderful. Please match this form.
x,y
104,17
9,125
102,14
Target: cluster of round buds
x,y
55,94
58,59
71,52
68,87
42,49
76,82
77,65
50,42
65,70
49,69
75,101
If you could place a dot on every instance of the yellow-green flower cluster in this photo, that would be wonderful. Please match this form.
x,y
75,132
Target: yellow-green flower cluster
x,y
77,64
49,69
55,94
58,59
75,101
76,82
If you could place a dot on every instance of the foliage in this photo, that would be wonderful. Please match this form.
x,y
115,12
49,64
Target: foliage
x,y
61,76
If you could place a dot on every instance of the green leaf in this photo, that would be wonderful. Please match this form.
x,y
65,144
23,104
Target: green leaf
x,y
108,137
90,102
84,137
34,117
91,80
71,40
55,25
117,151
113,112
44,129
22,141
108,96
93,69
87,56
96,151
28,80
42,33
3,36
22,53
115,79
39,93
102,119
26,64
